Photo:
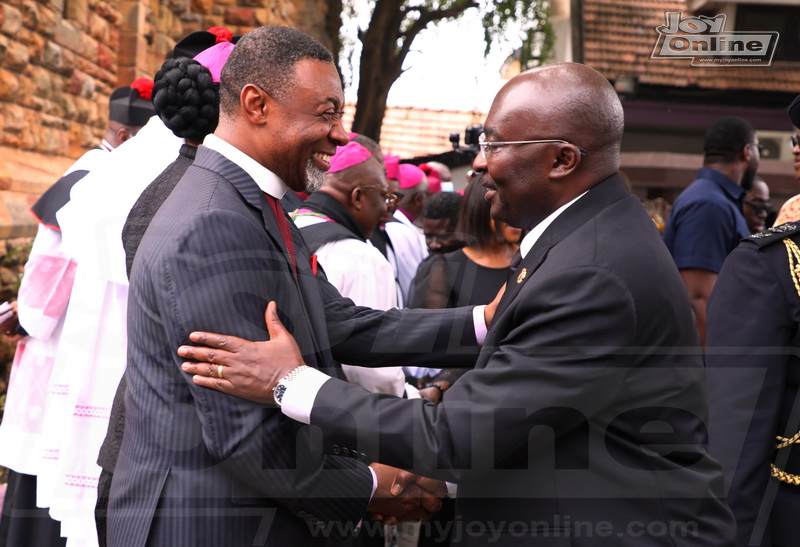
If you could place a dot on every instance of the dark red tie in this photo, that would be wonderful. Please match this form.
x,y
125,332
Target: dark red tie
x,y
283,224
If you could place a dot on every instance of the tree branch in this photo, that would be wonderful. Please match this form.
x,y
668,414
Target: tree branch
x,y
429,16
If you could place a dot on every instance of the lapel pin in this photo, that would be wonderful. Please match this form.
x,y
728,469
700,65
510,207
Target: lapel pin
x,y
522,275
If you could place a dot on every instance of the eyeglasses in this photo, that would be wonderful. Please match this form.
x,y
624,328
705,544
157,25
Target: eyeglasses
x,y
487,147
795,140
759,206
760,147
388,197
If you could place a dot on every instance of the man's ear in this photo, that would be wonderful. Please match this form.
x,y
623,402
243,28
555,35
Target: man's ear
x,y
357,198
123,134
746,154
255,104
418,199
566,160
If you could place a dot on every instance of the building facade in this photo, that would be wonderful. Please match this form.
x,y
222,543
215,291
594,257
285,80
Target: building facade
x,y
60,60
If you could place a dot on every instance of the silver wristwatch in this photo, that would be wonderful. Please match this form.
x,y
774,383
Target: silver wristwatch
x,y
280,388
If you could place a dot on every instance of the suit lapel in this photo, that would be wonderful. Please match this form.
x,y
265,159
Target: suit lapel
x,y
599,197
306,284
249,190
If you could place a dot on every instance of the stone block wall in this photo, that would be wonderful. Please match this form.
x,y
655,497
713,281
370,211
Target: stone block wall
x,y
60,60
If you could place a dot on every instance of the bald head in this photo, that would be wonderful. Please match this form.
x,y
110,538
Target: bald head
x,y
576,103
551,134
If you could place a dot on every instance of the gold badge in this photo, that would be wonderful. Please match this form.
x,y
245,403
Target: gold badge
x,y
522,275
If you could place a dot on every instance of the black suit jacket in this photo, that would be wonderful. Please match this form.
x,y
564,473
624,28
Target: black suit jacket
x,y
198,467
583,421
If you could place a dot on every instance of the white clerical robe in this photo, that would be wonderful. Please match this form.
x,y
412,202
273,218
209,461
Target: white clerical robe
x,y
92,354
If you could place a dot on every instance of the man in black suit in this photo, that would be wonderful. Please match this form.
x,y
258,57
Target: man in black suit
x,y
583,422
202,468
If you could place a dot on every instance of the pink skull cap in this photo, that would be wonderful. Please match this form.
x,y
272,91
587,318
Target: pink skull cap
x,y
347,156
409,175
391,163
434,178
214,58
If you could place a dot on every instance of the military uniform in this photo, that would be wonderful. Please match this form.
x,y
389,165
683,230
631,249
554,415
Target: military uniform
x,y
753,362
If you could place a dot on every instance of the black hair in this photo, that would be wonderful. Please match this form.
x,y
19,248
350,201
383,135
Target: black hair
x,y
726,137
186,98
267,57
442,205
474,219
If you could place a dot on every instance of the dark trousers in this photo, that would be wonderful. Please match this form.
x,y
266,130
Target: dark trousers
x,y
22,523
101,508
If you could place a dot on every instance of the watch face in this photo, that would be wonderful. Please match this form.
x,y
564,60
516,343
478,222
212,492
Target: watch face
x,y
280,389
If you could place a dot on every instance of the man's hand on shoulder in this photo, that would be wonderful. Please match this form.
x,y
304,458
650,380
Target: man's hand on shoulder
x,y
242,368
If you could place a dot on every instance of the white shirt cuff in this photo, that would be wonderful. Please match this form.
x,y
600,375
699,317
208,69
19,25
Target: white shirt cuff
x,y
452,489
374,483
298,400
480,324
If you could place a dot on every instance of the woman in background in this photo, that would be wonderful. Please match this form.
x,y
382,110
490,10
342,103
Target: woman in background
x,y
469,276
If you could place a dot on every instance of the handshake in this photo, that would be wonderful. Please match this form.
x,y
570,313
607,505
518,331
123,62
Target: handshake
x,y
402,496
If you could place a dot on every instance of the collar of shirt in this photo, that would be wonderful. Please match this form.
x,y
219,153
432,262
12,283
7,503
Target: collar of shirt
x,y
727,184
533,236
105,145
406,214
266,180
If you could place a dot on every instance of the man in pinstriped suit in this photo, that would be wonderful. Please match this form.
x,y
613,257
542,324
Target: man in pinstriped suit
x,y
198,467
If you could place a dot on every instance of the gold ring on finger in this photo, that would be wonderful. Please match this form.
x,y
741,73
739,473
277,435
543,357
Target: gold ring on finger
x,y
219,371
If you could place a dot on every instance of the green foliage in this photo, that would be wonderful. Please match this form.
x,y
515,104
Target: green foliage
x,y
531,17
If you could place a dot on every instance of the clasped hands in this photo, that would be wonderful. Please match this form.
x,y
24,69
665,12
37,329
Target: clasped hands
x,y
252,369
402,496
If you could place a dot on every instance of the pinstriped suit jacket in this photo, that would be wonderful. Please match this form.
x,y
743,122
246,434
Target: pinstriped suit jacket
x,y
198,467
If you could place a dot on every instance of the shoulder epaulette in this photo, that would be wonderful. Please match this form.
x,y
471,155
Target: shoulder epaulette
x,y
776,233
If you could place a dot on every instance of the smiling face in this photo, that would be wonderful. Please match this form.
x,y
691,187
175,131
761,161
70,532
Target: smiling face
x,y
517,176
571,120
307,126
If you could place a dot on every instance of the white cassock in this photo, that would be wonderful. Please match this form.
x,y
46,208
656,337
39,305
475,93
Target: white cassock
x,y
409,250
91,356
41,306
361,273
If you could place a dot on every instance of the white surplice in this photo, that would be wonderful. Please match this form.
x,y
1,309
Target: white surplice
x,y
91,356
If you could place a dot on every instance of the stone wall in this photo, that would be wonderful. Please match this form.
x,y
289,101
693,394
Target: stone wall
x,y
60,60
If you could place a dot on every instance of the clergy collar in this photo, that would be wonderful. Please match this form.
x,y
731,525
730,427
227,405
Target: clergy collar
x,y
320,202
